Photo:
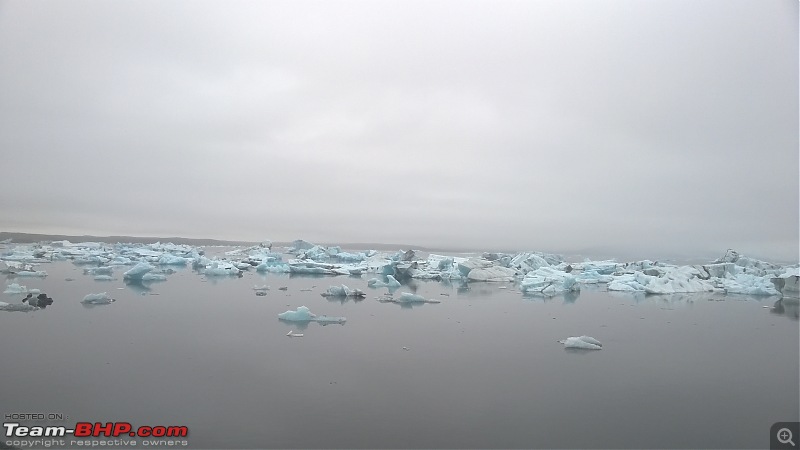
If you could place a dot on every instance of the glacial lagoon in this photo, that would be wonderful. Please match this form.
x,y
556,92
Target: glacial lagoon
x,y
482,368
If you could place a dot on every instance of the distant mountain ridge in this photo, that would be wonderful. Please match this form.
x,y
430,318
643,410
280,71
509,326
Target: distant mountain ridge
x,y
24,238
34,237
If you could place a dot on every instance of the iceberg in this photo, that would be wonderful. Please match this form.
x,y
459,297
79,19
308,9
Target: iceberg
x,y
137,271
303,314
153,276
391,282
221,269
168,259
18,307
343,291
31,273
407,298
300,244
673,279
548,281
15,288
97,299
102,270
788,283
493,274
582,342
103,278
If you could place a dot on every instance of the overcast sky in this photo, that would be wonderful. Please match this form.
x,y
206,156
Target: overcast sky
x,y
643,128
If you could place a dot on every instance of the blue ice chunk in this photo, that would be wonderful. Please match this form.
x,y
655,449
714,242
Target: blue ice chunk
x,y
274,266
97,299
548,281
221,269
350,257
15,288
390,283
343,291
303,314
168,259
19,307
300,244
137,271
152,276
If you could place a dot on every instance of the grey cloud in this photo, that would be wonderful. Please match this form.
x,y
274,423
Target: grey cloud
x,y
641,127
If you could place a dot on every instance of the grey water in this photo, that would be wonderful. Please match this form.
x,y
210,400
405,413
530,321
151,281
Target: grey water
x,y
481,369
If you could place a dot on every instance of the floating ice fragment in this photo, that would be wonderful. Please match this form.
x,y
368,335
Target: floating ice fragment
x,y
494,273
407,297
548,281
31,273
137,271
221,269
343,291
293,334
15,288
582,342
152,276
303,314
19,307
390,283
97,299
261,288
103,278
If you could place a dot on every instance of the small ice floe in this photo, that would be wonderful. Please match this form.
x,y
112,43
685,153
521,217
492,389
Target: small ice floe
x,y
293,334
303,314
582,342
406,348
97,299
391,282
261,288
343,291
31,273
15,288
19,307
283,288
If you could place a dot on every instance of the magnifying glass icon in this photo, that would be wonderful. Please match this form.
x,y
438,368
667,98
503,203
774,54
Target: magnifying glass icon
x,y
785,436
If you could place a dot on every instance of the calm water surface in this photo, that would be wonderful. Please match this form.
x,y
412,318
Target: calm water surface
x,y
482,369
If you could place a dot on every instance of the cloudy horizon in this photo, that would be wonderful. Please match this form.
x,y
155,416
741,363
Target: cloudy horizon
x,y
639,128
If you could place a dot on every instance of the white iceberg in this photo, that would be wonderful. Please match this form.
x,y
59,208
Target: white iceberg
x,y
548,281
582,342
390,283
15,288
97,299
493,273
18,307
221,269
407,298
343,291
137,271
31,273
303,314
673,279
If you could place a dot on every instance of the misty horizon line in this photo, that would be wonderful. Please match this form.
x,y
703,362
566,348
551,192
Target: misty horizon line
x,y
597,252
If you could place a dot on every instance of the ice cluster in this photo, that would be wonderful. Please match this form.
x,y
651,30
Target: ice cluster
x,y
532,273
